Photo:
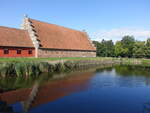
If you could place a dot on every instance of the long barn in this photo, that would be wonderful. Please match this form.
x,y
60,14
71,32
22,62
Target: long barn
x,y
41,39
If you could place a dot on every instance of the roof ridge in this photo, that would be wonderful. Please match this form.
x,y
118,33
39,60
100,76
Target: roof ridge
x,y
12,28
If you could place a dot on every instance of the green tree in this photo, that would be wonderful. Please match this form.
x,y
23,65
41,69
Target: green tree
x,y
147,52
139,49
147,48
119,50
108,48
148,42
105,48
128,45
98,48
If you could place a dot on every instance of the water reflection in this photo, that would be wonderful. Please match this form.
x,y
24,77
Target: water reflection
x,y
123,76
134,75
132,71
50,91
118,89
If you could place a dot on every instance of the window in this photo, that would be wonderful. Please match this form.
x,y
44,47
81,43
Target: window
x,y
6,51
19,51
30,52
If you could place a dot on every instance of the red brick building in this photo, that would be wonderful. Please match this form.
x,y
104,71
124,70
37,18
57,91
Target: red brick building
x,y
15,43
40,39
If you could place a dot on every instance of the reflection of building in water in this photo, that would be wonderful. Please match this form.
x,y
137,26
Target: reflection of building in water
x,y
50,91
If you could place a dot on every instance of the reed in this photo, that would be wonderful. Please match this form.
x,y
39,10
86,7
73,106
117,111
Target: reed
x,y
7,69
35,68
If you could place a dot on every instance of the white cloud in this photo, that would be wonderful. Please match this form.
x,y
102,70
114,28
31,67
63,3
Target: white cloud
x,y
117,34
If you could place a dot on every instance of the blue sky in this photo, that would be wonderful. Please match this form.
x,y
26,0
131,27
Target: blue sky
x,y
100,18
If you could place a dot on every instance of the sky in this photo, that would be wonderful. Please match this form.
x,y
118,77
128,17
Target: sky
x,y
101,19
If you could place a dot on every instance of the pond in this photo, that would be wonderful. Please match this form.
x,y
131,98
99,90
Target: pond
x,y
117,89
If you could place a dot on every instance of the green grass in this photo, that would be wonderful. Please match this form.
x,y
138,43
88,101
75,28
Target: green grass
x,y
127,60
52,59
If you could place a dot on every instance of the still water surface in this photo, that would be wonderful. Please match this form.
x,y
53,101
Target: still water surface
x,y
119,89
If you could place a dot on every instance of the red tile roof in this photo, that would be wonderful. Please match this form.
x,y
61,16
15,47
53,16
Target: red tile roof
x,y
58,37
14,37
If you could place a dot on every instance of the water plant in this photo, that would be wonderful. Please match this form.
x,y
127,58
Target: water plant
x,y
35,68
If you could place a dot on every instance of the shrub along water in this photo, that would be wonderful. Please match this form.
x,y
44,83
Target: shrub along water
x,y
35,68
28,68
24,68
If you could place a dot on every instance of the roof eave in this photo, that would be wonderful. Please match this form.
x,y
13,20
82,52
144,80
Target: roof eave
x,y
17,46
61,49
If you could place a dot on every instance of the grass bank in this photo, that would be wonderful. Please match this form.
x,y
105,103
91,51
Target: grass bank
x,y
52,59
134,61
35,66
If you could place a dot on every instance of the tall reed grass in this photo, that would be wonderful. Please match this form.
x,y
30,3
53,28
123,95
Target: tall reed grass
x,y
35,68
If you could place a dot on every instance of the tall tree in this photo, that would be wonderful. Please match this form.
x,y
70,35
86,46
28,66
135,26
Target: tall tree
x,y
105,48
148,42
98,48
127,47
147,48
128,44
109,48
139,49
119,50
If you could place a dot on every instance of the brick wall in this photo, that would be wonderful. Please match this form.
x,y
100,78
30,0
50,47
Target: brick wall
x,y
64,53
13,52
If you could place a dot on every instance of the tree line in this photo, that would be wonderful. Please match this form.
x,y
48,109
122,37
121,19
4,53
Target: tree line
x,y
127,47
